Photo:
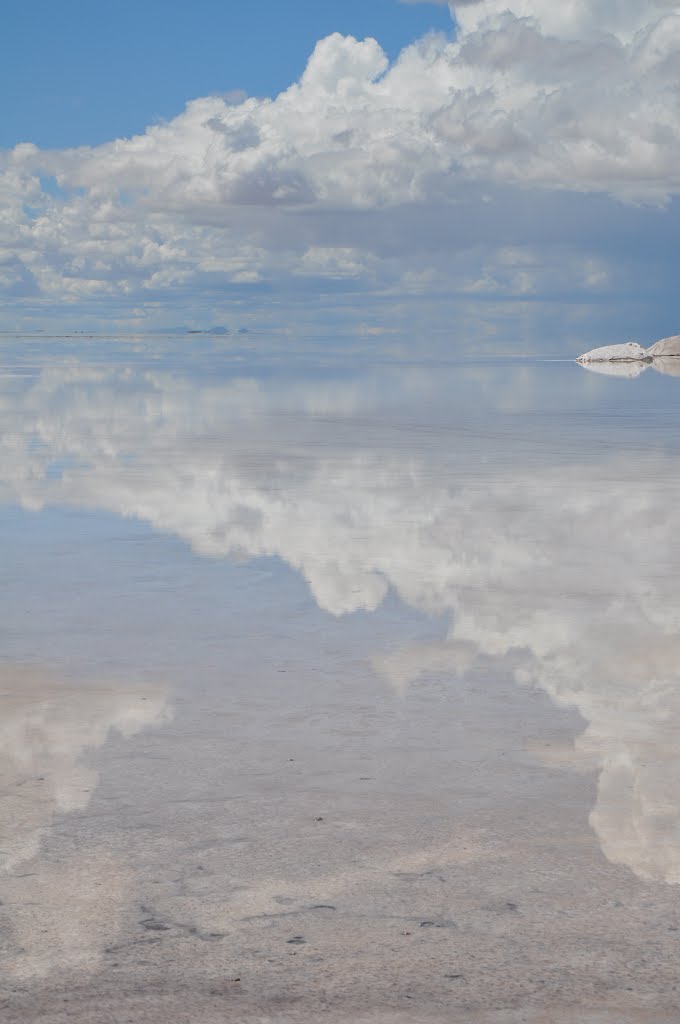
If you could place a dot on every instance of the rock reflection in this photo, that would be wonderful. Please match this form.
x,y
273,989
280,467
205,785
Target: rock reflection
x,y
668,365
628,370
561,573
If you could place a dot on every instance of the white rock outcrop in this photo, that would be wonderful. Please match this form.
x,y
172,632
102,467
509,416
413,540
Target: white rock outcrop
x,y
630,352
665,347
668,349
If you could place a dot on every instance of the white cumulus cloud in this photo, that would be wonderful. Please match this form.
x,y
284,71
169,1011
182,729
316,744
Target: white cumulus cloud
x,y
574,97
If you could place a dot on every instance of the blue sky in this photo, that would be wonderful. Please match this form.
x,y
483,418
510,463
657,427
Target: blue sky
x,y
81,73
506,176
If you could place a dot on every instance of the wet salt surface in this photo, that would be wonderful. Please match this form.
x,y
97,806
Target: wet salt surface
x,y
345,685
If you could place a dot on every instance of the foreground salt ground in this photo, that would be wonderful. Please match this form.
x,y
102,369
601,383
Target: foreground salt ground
x,y
343,696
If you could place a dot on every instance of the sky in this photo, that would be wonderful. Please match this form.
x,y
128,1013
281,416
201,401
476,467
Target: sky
x,y
100,71
495,173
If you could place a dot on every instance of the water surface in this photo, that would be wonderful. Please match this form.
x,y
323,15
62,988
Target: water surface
x,y
337,683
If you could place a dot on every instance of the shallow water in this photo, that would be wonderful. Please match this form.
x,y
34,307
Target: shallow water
x,y
336,682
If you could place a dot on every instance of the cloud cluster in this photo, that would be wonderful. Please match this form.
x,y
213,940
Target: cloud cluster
x,y
573,19
561,573
577,97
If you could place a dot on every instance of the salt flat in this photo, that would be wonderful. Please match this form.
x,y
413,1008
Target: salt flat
x,y
337,686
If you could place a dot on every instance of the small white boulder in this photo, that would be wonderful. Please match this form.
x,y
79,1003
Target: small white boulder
x,y
630,352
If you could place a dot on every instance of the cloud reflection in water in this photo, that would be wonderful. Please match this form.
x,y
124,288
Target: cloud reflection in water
x,y
559,567
63,910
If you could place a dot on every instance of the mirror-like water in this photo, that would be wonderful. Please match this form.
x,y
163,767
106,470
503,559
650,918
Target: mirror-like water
x,y
343,684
